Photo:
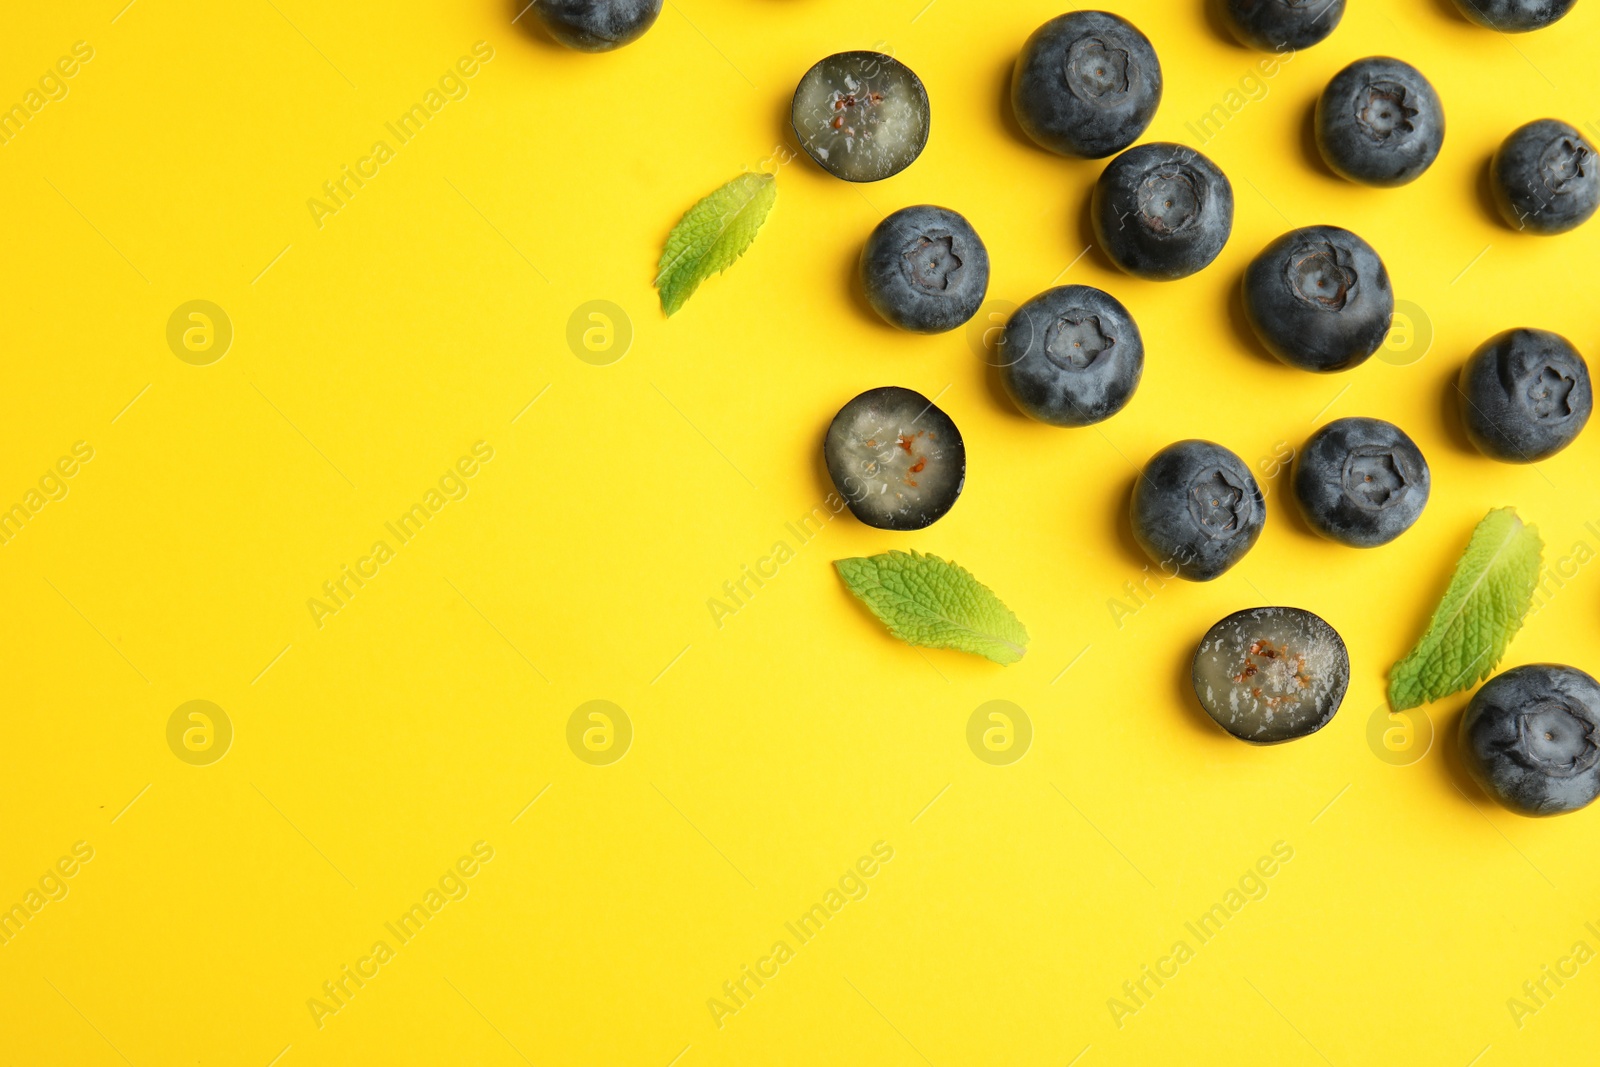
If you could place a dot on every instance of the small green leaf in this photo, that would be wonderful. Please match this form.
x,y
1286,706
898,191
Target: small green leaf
x,y
1482,610
926,601
712,235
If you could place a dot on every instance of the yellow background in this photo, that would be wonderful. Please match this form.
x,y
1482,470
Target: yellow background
x,y
372,752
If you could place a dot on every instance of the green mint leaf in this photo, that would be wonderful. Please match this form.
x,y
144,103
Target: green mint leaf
x,y
1482,610
924,600
712,235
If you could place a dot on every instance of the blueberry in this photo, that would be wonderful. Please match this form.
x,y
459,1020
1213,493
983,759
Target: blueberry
x,y
863,116
1196,510
1086,84
1075,356
1515,16
1319,298
1162,211
925,269
1545,178
1531,739
597,25
1524,395
897,460
1361,482
1269,675
1282,25
1379,122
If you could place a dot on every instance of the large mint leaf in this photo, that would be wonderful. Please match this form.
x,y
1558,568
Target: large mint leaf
x,y
924,600
712,235
1481,612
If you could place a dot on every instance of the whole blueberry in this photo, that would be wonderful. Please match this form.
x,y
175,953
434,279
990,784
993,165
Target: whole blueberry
x,y
1379,122
863,116
898,461
1282,25
1515,16
1196,510
1524,395
1529,738
1086,84
1269,675
925,269
1162,211
1545,178
1075,356
1319,298
1361,482
596,25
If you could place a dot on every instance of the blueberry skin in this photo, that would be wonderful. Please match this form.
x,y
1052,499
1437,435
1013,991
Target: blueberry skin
x,y
1282,25
1086,84
1162,211
1270,675
1361,482
1196,510
1515,16
1525,395
1545,178
1076,356
1529,739
1319,299
925,269
1379,122
597,25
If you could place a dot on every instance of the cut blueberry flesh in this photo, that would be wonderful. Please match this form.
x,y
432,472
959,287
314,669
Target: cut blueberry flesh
x,y
1162,211
1379,122
1282,25
1515,16
1361,482
925,269
1086,84
1525,395
1196,510
596,25
1268,675
1319,299
863,116
898,461
1075,356
1545,178
1531,738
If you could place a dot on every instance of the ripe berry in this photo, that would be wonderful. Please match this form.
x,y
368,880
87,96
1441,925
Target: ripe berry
x,y
1268,675
863,116
925,269
898,461
1086,84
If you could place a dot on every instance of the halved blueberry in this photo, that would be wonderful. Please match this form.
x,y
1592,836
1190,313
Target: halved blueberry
x,y
1525,395
863,116
1268,675
1196,510
897,460
1531,738
1076,356
1361,482
1319,298
925,269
